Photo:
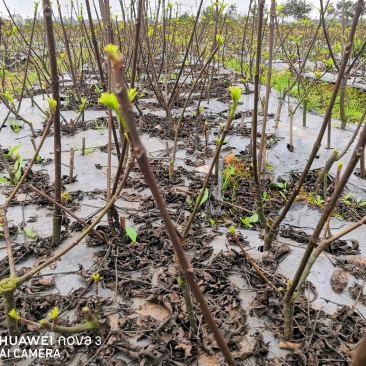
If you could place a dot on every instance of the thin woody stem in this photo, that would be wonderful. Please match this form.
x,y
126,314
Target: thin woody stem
x,y
139,151
55,89
8,243
63,208
12,195
344,232
269,237
252,263
326,212
34,158
90,325
208,175
114,198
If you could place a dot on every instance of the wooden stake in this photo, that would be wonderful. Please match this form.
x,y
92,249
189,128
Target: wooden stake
x,y
71,167
122,220
242,121
83,146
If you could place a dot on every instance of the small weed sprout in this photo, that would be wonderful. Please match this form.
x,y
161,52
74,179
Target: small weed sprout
x,y
17,167
131,233
205,196
229,174
30,234
347,199
360,203
88,151
100,127
249,220
66,197
316,201
14,125
265,197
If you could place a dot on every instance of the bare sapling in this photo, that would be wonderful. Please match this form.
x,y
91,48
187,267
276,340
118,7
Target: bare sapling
x,y
255,160
312,251
272,232
337,155
235,94
297,72
140,153
263,141
47,13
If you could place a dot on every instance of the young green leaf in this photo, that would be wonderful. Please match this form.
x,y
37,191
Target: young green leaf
x,y
235,92
219,39
319,200
132,94
88,151
131,233
205,196
14,315
17,175
65,197
54,313
16,165
12,150
112,51
8,97
347,196
232,230
52,104
283,195
111,101
246,221
254,218
29,233
96,277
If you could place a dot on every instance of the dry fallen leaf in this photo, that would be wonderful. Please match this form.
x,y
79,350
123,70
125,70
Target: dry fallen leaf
x,y
187,349
289,345
47,283
339,281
